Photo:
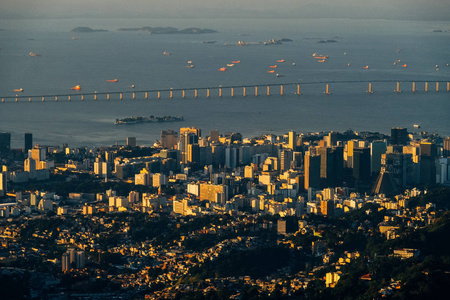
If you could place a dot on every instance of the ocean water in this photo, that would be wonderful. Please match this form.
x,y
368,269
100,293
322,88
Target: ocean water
x,y
137,58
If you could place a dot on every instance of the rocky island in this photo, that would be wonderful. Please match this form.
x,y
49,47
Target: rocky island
x,y
150,119
87,29
169,30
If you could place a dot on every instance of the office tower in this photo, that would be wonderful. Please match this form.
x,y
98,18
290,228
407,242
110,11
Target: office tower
x,y
377,148
5,142
188,136
327,207
30,167
427,163
332,139
28,141
399,136
312,171
446,148
400,167
169,139
80,259
292,140
65,261
214,136
38,154
286,157
131,142
231,157
3,184
361,164
193,154
331,166
349,152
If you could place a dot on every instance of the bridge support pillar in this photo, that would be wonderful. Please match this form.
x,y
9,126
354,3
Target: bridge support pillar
x,y
134,95
56,98
281,90
17,99
183,94
171,94
29,99
146,95
220,92
43,99
232,92
268,90
327,89
207,93
95,96
107,96
256,91
370,89
82,98
196,93
398,88
298,89
437,86
413,86
120,96
426,86
159,95
448,86
243,92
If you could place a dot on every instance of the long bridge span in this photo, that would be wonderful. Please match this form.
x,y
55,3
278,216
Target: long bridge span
x,y
233,90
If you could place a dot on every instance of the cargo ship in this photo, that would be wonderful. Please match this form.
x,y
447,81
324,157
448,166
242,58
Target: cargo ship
x,y
319,56
150,119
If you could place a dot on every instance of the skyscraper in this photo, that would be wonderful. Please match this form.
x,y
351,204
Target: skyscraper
x,y
286,157
399,136
169,139
331,166
377,148
292,140
361,164
131,142
446,152
427,163
28,141
5,142
312,170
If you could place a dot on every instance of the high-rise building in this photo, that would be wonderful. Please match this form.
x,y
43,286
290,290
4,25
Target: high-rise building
x,y
169,139
292,140
377,148
131,142
331,166
193,154
30,167
214,136
327,207
3,184
427,163
312,170
446,148
361,164
65,261
188,136
5,142
286,157
399,136
400,167
28,142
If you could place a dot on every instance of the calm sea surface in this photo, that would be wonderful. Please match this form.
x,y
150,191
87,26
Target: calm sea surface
x,y
137,58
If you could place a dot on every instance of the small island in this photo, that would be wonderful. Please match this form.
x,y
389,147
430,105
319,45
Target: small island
x,y
87,29
326,41
169,30
150,119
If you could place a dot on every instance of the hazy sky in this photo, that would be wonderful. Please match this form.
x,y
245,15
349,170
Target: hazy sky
x,y
389,9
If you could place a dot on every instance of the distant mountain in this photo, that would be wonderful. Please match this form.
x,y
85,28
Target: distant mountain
x,y
169,30
87,29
